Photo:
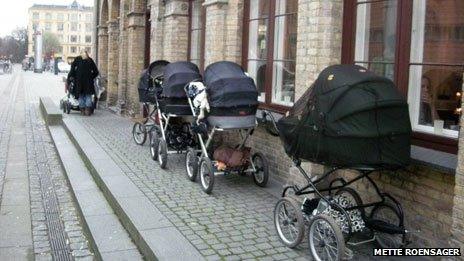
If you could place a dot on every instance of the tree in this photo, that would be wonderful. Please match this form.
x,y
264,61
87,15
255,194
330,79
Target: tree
x,y
14,45
51,44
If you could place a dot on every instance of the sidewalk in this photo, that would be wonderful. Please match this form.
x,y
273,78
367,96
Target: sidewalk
x,y
235,222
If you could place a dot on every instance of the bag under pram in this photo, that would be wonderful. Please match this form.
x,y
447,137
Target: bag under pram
x,y
176,76
232,96
350,117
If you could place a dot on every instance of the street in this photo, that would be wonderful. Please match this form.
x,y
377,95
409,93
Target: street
x,y
234,223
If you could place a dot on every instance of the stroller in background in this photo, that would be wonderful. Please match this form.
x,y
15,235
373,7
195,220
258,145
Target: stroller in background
x,y
70,103
233,100
350,119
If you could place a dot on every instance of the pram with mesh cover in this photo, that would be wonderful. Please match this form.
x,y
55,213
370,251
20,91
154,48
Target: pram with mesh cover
x,y
233,100
350,119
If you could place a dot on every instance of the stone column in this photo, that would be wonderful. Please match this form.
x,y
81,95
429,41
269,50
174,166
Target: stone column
x,y
103,52
122,66
175,46
113,62
216,30
135,58
157,12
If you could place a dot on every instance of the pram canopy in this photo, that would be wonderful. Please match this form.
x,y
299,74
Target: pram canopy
x,y
176,76
350,117
228,86
147,91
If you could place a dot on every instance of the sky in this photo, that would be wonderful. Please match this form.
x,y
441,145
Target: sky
x,y
13,13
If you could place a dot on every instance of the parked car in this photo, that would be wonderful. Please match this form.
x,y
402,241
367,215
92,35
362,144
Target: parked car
x,y
64,66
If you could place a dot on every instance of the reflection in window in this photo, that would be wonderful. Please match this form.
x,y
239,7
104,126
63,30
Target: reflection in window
x,y
436,68
376,36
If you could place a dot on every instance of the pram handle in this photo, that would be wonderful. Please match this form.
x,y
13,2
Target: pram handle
x,y
270,125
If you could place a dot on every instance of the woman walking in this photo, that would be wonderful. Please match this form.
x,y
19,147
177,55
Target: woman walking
x,y
83,72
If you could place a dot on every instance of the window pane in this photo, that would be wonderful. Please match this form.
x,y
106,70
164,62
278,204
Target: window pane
x,y
376,34
257,70
257,48
283,77
259,9
286,6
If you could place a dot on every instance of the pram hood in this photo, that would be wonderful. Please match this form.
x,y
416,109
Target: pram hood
x,y
349,117
227,85
176,76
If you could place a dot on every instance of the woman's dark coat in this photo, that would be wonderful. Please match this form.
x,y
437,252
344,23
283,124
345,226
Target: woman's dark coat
x,y
83,72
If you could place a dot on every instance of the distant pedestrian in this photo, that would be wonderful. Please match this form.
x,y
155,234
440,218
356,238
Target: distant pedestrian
x,y
83,72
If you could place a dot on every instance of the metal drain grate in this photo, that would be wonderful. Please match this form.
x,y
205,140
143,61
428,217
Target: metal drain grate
x,y
57,235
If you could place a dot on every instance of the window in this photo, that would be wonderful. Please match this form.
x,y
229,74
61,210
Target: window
x,y
35,26
74,17
73,39
60,49
417,44
59,27
88,38
60,16
436,67
88,27
60,37
74,27
48,16
88,18
88,49
36,16
196,33
271,49
73,49
48,26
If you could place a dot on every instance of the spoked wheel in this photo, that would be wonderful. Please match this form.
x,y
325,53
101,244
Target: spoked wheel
x,y
325,239
206,175
191,164
162,153
387,213
261,175
154,144
139,133
289,222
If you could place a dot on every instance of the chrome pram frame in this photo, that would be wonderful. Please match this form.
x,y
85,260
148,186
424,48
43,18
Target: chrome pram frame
x,y
199,160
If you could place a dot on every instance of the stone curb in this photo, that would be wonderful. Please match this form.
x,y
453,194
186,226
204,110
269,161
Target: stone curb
x,y
50,112
154,235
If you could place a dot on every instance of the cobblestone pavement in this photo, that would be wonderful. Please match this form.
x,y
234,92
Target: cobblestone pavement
x,y
56,229
234,223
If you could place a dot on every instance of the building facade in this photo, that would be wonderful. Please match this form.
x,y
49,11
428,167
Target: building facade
x,y
285,44
72,24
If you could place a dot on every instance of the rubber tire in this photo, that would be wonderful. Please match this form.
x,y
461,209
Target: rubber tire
x,y
299,221
153,138
136,125
391,207
263,183
209,167
191,153
162,150
338,234
68,108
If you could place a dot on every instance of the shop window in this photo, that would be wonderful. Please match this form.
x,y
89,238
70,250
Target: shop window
x,y
270,53
418,44
196,33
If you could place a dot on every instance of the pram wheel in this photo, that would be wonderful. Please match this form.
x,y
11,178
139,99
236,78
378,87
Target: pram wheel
x,y
191,164
387,214
139,133
325,239
261,175
162,153
206,175
153,144
289,222
68,108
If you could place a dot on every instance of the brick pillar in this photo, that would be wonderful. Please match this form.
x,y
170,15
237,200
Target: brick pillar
x,y
135,59
113,62
157,12
216,30
122,66
457,229
175,46
103,52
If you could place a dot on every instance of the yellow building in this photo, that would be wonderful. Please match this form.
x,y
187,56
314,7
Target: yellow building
x,y
72,24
